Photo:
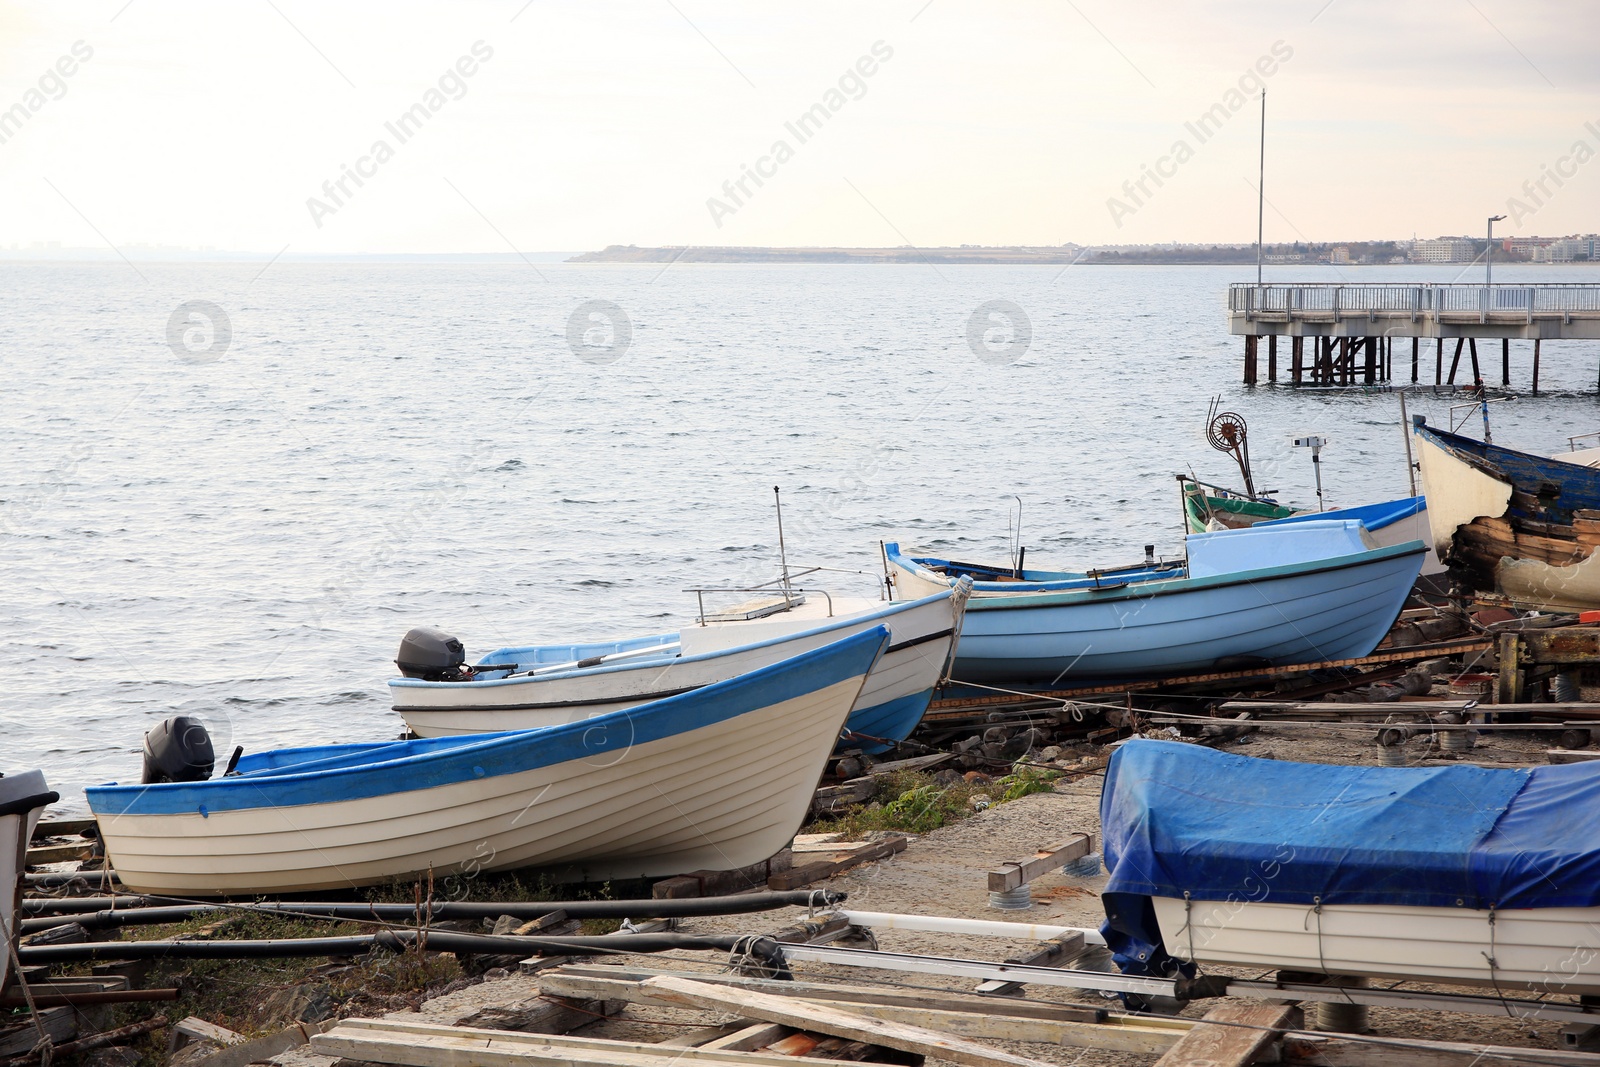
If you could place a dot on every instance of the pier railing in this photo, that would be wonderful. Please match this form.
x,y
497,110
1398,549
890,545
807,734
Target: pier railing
x,y
1446,301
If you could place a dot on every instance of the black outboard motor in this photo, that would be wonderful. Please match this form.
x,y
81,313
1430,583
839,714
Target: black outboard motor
x,y
432,655
178,750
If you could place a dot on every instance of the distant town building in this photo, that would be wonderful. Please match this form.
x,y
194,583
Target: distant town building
x,y
1339,254
1444,250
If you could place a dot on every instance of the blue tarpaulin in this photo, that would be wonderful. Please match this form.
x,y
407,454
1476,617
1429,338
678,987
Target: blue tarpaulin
x,y
1181,820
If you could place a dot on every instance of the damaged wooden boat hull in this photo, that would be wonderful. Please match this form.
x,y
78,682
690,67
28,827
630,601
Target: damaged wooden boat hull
x,y
1519,525
717,779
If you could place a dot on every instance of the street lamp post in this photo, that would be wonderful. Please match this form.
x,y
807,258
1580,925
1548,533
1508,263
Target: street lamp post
x,y
1488,253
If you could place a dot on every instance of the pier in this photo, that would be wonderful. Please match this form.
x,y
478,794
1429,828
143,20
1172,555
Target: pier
x,y
1352,328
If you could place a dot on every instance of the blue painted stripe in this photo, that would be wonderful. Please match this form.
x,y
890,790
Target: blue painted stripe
x,y
325,774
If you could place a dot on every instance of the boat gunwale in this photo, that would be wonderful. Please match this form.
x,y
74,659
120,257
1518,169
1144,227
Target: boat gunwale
x,y
1048,598
891,607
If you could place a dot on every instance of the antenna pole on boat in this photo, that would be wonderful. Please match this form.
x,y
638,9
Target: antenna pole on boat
x,y
783,553
1016,554
1261,193
1405,434
1483,402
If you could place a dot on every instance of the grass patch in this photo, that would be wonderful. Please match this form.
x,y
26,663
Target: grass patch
x,y
913,802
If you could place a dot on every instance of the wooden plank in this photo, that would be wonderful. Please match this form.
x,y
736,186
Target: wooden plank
x,y
60,853
623,983
1248,1030
757,1035
827,1019
1342,1051
1571,755
263,1048
60,827
915,763
700,1038
60,1023
828,847
1048,858
1053,953
796,877
432,1045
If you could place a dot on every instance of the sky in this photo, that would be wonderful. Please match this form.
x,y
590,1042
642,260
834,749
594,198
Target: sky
x,y
541,125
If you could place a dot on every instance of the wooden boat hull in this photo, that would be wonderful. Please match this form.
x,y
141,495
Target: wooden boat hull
x,y
22,798
891,703
1553,950
1512,523
713,780
1336,608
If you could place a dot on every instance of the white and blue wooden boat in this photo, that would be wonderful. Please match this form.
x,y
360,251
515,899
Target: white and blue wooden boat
x,y
716,779
1261,596
541,685
22,797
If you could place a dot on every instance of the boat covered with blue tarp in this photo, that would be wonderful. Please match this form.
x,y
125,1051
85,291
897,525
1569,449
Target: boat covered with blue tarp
x,y
1209,852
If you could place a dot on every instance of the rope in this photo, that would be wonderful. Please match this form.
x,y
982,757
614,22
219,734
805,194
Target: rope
x,y
1494,979
45,1046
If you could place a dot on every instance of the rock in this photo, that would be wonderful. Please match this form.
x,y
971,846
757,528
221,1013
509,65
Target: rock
x,y
980,802
192,1053
1050,753
494,974
113,1056
995,734
306,1003
946,778
976,778
851,767
992,750
505,924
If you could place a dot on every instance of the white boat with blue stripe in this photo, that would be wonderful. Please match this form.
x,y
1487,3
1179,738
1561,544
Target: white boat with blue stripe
x,y
716,779
527,687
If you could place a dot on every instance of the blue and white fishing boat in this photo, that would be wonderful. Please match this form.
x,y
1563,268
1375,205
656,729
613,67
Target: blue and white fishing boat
x,y
716,779
1462,874
531,686
1302,592
22,798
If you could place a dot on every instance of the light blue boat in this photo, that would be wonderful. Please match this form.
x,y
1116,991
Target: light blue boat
x,y
1301,592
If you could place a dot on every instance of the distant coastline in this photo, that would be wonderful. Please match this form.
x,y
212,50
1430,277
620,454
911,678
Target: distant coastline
x,y
1058,254
1300,253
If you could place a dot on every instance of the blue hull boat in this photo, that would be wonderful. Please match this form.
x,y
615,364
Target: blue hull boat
x,y
1299,593
716,779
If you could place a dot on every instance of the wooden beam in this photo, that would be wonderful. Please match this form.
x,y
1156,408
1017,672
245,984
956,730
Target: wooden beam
x,y
816,872
1477,372
1020,872
1250,359
1343,1051
827,1019
1272,358
623,984
1243,1033
1297,351
433,1045
1056,952
1456,360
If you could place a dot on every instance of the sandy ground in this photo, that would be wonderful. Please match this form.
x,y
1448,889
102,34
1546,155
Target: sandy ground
x,y
943,873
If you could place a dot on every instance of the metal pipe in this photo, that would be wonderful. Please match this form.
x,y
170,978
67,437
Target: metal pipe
x,y
120,909
394,940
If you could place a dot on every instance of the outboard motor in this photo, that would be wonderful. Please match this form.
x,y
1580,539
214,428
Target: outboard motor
x,y
432,655
178,750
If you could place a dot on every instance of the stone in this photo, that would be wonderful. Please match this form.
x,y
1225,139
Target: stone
x,y
112,1056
